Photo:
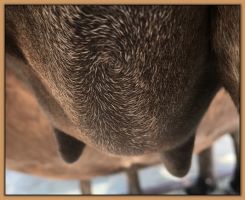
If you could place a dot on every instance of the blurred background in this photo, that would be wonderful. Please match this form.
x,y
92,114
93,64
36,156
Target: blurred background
x,y
153,180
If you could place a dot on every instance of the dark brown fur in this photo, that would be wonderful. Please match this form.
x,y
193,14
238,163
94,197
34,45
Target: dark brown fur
x,y
127,80
30,142
226,45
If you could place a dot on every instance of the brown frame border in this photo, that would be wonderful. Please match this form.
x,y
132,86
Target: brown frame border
x,y
2,87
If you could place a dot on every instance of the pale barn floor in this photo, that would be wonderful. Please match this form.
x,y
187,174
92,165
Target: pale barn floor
x,y
153,180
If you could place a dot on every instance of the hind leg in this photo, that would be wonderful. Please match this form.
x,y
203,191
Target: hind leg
x,y
205,182
235,182
85,187
133,180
